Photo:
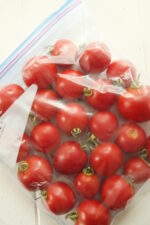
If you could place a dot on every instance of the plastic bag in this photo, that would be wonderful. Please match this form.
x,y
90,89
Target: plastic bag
x,y
78,148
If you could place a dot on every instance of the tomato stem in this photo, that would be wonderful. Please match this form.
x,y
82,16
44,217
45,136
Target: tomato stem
x,y
87,92
88,171
143,153
23,166
75,132
73,216
33,118
93,141
44,194
118,83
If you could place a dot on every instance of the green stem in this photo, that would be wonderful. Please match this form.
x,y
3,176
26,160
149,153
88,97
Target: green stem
x,y
44,194
73,216
23,166
88,171
87,92
75,132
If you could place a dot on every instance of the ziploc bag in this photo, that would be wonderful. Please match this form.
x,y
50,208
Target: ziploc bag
x,y
79,118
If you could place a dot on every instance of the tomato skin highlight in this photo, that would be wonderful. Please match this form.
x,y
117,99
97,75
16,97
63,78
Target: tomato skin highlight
x,y
134,104
116,191
24,148
131,138
45,103
60,198
39,70
92,212
96,58
87,185
66,87
45,137
103,125
38,173
72,116
106,159
70,158
104,97
137,169
8,95
122,69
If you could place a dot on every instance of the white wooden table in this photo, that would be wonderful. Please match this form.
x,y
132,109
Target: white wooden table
x,y
126,26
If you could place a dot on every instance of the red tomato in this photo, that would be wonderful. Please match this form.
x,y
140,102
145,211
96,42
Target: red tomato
x,y
102,97
67,84
137,169
60,198
45,137
134,104
8,95
45,104
67,50
106,159
24,148
40,71
72,117
116,191
131,137
96,58
35,172
92,212
122,70
70,158
103,125
87,183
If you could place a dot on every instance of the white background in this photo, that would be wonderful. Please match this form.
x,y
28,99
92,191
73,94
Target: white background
x,y
126,25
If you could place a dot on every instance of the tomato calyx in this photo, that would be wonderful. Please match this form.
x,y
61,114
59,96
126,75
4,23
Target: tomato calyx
x,y
23,166
93,141
44,194
33,118
87,92
143,155
75,132
118,82
88,171
72,216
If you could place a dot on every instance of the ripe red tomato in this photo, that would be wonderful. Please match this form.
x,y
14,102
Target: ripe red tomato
x,y
96,58
106,159
45,137
103,125
131,137
122,71
66,50
71,118
39,70
134,104
60,198
70,158
24,148
92,212
45,103
87,183
8,95
67,84
102,97
35,172
116,191
137,169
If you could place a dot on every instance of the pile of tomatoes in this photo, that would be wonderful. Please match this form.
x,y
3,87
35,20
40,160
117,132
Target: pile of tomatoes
x,y
86,127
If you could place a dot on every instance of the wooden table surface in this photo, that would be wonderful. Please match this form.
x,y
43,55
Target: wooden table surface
x,y
125,23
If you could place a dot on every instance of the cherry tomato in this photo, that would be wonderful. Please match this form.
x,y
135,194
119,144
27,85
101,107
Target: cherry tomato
x,y
60,198
45,104
137,169
45,137
67,84
116,191
103,125
131,137
8,95
148,147
106,159
72,118
87,183
35,172
102,97
96,58
122,71
24,148
40,71
134,104
70,158
92,212
67,50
